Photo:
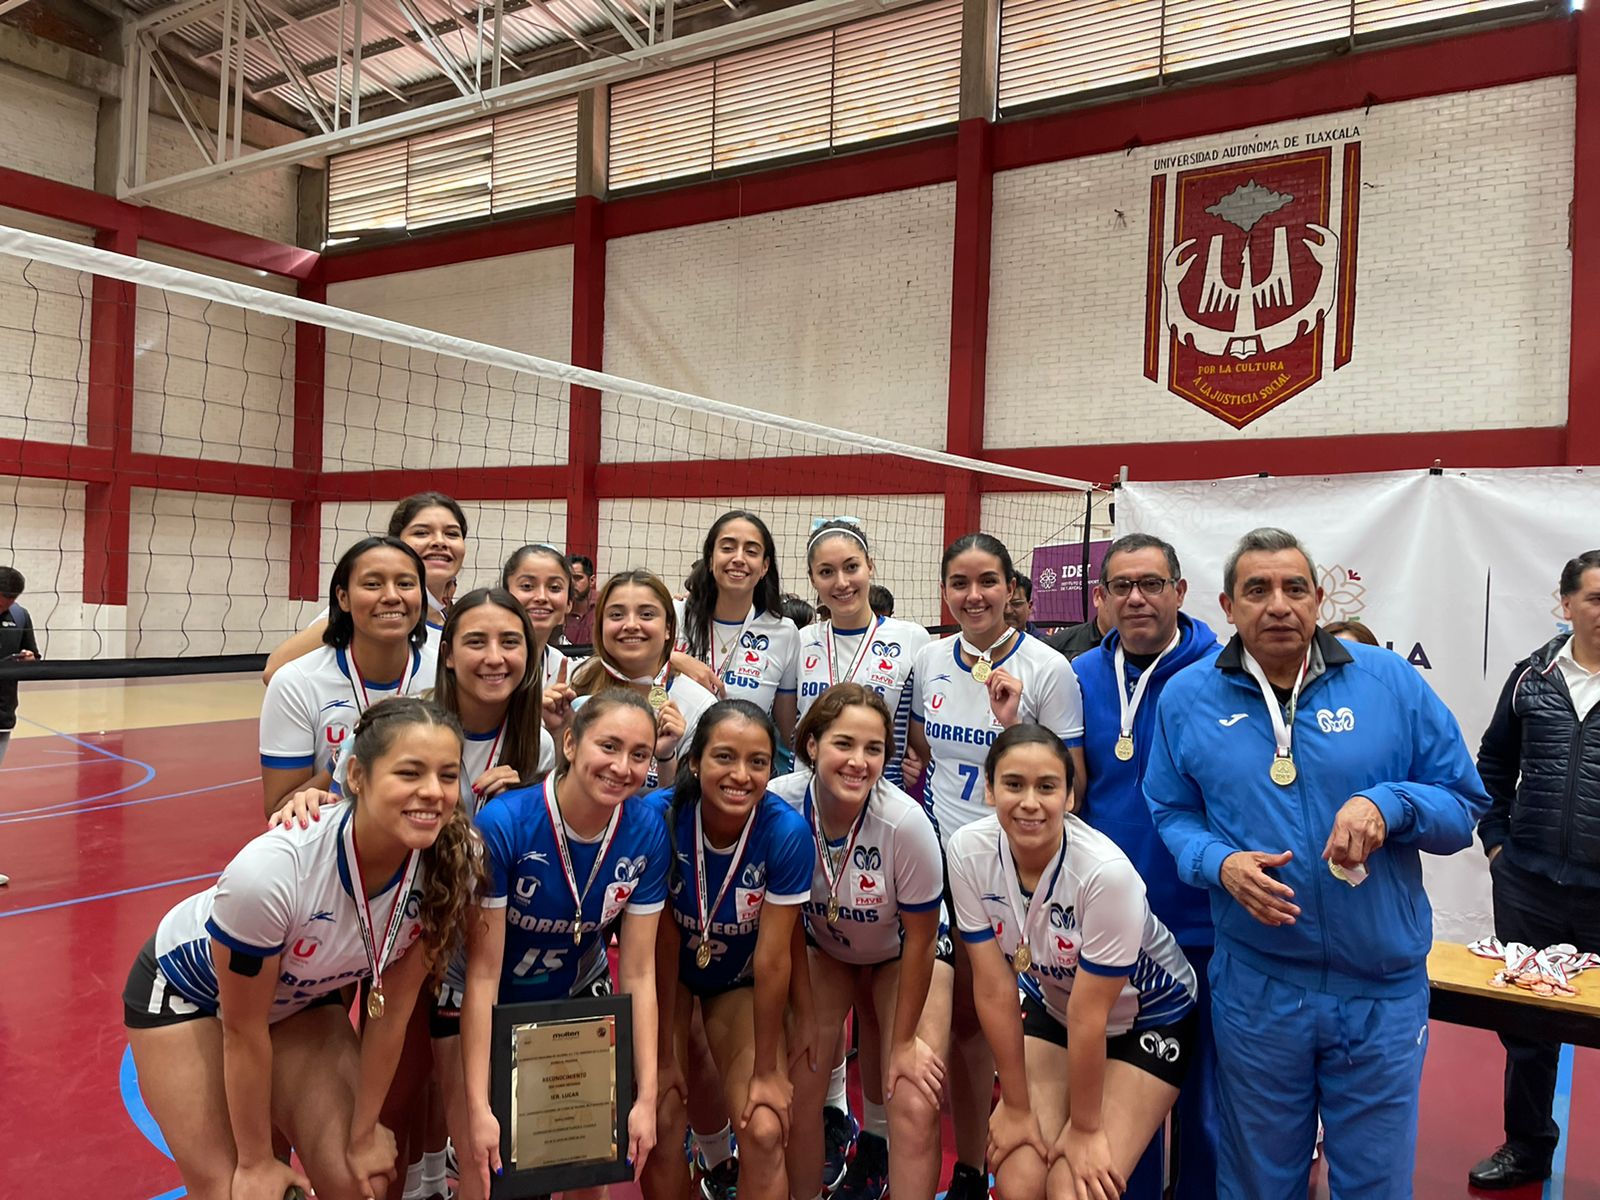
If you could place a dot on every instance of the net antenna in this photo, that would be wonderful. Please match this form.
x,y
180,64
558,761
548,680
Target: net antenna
x,y
229,476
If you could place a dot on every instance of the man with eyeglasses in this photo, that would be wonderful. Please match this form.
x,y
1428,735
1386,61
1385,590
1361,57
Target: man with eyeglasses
x,y
1141,589
1298,778
1019,608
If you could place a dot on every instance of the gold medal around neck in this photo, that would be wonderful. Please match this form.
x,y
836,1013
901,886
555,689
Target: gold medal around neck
x,y
375,1004
981,670
833,909
577,930
1022,959
658,697
1283,771
702,956
1124,747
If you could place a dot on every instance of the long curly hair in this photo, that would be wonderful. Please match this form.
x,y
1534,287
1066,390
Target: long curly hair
x,y
453,867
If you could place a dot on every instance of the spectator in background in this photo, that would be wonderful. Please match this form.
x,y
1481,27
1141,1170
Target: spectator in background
x,y
579,627
797,610
1080,639
1540,761
881,599
1351,631
17,645
1019,609
1282,774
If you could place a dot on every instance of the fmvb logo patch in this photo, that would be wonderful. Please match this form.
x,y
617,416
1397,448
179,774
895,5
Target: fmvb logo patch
x,y
1251,273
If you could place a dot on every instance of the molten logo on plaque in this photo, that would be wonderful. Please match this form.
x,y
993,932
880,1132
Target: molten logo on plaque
x,y
1252,278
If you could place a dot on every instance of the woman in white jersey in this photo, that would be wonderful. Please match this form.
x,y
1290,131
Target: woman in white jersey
x,y
855,645
433,525
373,648
635,627
871,921
732,618
539,577
1106,1026
966,689
233,1008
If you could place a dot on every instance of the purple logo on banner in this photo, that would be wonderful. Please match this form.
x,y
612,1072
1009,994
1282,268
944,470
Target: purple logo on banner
x,y
1058,577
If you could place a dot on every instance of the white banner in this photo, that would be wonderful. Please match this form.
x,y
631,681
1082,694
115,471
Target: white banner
x,y
1455,572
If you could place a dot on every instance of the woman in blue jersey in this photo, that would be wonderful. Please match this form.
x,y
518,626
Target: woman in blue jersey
x,y
966,689
233,1008
872,921
433,525
732,617
539,577
567,861
743,870
372,649
855,645
1106,1025
635,627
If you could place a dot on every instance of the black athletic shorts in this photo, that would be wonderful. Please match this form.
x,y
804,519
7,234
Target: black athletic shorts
x,y
1161,1050
444,1007
149,1001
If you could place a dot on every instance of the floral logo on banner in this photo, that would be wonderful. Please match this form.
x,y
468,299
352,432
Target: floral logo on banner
x,y
1343,595
1251,271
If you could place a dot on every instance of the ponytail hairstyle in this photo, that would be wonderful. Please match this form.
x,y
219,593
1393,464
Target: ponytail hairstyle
x,y
1027,733
700,606
988,544
846,527
341,628
453,866
686,788
406,511
523,715
828,707
606,700
534,550
592,676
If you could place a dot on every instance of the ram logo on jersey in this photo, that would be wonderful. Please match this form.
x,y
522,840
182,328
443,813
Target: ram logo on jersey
x,y
629,869
755,875
868,858
754,641
886,649
413,904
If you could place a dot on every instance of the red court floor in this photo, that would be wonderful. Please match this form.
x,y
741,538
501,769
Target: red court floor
x,y
103,832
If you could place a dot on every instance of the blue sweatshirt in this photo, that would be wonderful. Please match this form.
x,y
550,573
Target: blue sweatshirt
x,y
1368,725
1114,803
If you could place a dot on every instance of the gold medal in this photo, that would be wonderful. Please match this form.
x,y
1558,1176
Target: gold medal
x,y
1022,959
1283,771
1124,747
577,928
375,1004
658,698
833,909
981,670
702,956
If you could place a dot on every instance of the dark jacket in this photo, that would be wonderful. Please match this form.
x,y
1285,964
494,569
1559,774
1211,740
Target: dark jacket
x,y
1542,770
16,635
1075,639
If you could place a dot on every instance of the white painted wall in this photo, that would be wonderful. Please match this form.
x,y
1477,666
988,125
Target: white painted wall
x,y
1463,285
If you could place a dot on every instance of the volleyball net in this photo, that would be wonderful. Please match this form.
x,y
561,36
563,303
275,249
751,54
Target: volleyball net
x,y
183,457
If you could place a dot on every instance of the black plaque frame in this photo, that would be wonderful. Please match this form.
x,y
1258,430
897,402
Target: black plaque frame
x,y
541,1181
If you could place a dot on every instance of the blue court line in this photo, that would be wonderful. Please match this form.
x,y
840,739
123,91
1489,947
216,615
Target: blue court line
x,y
133,1104
48,814
149,771
1555,1187
144,887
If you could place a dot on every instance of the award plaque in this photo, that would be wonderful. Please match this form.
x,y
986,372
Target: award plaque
x,y
561,1085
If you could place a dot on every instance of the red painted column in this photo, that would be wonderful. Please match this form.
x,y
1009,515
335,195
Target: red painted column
x,y
588,350
112,317
969,321
1583,385
305,515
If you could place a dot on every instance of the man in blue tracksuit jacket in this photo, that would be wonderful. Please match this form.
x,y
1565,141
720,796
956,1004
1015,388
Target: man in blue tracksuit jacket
x,y
1142,588
1290,755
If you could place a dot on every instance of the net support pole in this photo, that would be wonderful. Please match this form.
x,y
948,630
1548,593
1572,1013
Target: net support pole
x,y
1583,409
107,502
969,324
305,515
588,350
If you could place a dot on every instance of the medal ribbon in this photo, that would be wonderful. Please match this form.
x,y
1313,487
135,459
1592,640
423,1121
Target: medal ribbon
x,y
828,872
744,627
558,829
657,680
358,684
494,753
861,653
1041,895
986,655
1130,705
700,868
1282,731
397,913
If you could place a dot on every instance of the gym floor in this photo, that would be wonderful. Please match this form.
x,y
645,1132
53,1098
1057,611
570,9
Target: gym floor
x,y
119,799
